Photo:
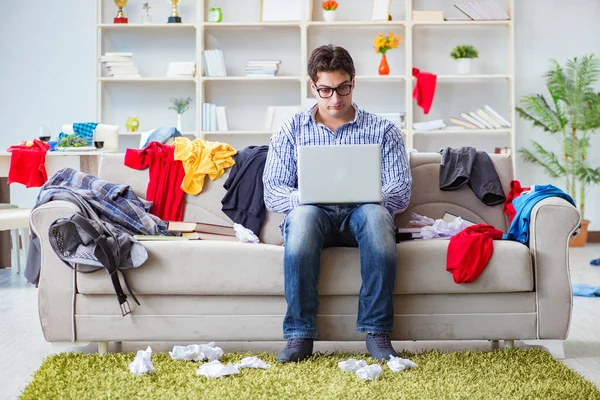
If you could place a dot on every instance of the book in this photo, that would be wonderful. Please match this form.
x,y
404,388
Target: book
x,y
449,217
159,238
202,227
208,236
462,123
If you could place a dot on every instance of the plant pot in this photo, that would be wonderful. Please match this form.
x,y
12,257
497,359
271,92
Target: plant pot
x,y
384,68
179,123
463,66
329,15
581,239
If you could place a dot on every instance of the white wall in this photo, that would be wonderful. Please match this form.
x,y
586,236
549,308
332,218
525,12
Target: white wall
x,y
48,74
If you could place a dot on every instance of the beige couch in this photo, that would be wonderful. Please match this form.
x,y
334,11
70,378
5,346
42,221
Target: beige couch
x,y
198,291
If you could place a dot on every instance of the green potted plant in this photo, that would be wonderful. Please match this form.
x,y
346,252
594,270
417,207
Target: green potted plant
x,y
180,105
572,115
463,54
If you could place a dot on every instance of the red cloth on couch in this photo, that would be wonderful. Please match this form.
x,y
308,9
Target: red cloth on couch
x,y
28,164
166,175
470,250
515,191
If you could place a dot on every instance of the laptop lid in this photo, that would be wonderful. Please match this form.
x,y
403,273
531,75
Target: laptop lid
x,y
339,174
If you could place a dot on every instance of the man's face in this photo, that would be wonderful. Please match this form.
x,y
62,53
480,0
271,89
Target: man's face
x,y
338,104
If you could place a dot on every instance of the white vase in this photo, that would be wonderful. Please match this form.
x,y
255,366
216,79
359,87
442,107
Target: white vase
x,y
329,15
463,66
179,124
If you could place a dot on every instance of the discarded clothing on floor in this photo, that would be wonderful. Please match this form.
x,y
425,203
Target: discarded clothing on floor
x,y
595,261
475,168
584,290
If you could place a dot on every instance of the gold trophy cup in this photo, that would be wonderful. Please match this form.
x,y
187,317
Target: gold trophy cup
x,y
120,18
174,18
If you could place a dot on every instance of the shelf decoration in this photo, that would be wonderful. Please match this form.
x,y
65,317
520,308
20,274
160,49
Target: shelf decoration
x,y
463,54
215,14
146,16
383,44
120,18
329,8
174,18
180,105
132,124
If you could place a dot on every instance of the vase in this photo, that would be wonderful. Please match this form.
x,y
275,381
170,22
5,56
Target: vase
x,y
384,68
179,124
329,15
463,66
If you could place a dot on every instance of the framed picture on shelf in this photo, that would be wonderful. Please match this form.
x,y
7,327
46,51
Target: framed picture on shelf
x,y
381,10
277,11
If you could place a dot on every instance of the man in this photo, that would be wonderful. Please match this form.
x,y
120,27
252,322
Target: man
x,y
308,228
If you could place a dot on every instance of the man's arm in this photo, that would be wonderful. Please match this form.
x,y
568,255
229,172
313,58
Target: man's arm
x,y
281,174
396,175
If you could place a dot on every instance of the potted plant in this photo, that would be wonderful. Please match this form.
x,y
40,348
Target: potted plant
x,y
572,115
180,105
329,8
382,45
463,54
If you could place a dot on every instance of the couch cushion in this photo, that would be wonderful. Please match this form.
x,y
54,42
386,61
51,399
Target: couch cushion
x,y
226,268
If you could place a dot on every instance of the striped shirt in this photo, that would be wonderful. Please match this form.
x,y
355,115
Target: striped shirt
x,y
280,176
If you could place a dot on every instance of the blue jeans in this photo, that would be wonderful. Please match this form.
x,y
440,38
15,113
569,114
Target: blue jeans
x,y
306,231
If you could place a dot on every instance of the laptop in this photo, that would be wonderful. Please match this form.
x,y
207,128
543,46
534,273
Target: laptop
x,y
339,174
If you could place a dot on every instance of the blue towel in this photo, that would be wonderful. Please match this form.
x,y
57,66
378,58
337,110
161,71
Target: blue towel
x,y
582,289
519,228
161,135
84,130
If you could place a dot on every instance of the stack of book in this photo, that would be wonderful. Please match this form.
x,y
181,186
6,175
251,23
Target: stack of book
x,y
396,118
182,69
262,67
482,118
481,10
214,118
214,63
119,65
203,231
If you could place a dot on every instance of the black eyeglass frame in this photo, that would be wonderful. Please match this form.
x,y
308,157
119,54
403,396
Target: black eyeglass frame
x,y
335,89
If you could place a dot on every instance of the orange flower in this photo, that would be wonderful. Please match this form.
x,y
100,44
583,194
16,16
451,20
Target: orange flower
x,y
383,44
329,5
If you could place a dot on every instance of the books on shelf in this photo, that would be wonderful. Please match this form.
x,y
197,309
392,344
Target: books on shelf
x,y
481,118
262,67
429,125
214,63
214,118
119,65
482,10
396,118
181,69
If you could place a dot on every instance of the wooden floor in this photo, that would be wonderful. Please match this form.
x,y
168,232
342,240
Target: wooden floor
x,y
23,348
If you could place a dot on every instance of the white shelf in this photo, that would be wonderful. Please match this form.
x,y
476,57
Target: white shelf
x,y
466,130
462,23
257,132
377,24
146,26
474,76
383,78
250,78
146,79
251,25
138,133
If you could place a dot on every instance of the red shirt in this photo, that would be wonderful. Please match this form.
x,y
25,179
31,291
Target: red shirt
x,y
166,175
515,191
28,164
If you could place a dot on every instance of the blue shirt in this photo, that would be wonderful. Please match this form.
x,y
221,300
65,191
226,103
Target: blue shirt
x,y
280,176
519,228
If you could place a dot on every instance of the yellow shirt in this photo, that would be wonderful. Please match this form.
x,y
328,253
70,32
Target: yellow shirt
x,y
201,158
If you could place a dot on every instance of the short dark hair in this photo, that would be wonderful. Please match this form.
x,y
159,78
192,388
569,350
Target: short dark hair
x,y
329,58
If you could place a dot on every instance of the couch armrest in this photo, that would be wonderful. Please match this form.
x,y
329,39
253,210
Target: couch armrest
x,y
56,285
553,220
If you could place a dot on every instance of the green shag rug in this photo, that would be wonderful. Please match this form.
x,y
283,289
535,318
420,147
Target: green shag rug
x,y
500,374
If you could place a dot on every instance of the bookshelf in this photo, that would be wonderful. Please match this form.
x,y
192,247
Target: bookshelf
x,y
242,37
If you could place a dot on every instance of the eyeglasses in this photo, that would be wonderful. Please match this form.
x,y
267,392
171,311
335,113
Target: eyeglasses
x,y
327,92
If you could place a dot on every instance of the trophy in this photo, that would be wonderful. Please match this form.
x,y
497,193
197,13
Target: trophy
x,y
174,18
120,18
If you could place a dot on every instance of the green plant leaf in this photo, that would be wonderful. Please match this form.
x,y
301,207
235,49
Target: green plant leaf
x,y
536,109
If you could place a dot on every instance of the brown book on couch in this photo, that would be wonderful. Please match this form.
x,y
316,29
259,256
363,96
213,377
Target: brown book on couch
x,y
208,236
177,226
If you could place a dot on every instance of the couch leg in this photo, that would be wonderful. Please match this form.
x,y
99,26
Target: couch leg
x,y
495,344
102,348
509,344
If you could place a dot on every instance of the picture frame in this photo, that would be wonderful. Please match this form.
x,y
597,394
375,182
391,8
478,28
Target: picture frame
x,y
273,11
381,10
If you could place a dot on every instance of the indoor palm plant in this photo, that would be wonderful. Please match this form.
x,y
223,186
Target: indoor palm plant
x,y
572,115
